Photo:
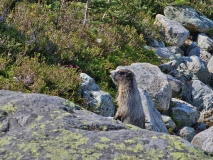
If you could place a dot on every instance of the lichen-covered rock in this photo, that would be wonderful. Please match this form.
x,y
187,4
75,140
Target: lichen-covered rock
x,y
153,118
174,32
187,133
99,101
36,126
183,113
192,20
150,78
204,140
206,116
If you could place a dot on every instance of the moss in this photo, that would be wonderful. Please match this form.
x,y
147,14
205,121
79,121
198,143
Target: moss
x,y
138,148
132,127
179,155
124,157
104,128
120,146
39,118
104,139
101,146
93,156
9,108
5,141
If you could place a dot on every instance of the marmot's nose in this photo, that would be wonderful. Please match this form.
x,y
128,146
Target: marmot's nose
x,y
112,73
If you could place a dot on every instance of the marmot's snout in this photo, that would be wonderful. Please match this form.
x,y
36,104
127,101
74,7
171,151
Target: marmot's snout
x,y
112,74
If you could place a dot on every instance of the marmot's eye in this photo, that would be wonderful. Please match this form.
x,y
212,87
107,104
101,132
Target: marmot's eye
x,y
121,73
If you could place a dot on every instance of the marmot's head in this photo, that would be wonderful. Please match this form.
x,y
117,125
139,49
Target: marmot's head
x,y
122,76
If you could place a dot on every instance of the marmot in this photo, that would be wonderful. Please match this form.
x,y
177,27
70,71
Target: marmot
x,y
130,109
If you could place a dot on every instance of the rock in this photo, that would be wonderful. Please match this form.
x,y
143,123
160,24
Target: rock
x,y
174,32
99,101
210,65
196,66
184,114
205,56
155,43
200,127
170,124
206,116
176,85
153,81
187,133
153,118
170,53
169,66
56,130
204,42
192,20
201,95
193,50
204,140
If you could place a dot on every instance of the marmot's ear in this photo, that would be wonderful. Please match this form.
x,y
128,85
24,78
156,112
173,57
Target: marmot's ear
x,y
128,75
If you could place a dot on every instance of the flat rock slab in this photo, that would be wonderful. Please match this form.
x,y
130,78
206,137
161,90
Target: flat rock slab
x,y
36,126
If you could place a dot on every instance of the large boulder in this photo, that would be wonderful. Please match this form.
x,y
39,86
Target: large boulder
x,y
150,78
99,101
204,140
174,32
153,118
192,20
36,126
183,113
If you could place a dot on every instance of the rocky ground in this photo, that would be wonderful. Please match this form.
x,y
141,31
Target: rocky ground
x,y
36,126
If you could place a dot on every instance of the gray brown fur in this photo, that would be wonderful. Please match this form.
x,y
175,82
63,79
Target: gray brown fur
x,y
130,109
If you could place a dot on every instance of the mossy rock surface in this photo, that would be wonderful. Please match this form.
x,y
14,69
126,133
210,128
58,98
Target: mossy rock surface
x,y
36,126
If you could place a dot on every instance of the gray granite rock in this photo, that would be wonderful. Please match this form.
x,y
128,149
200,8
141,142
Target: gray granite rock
x,y
187,133
170,124
204,140
183,113
153,118
204,42
174,33
98,101
170,53
192,20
